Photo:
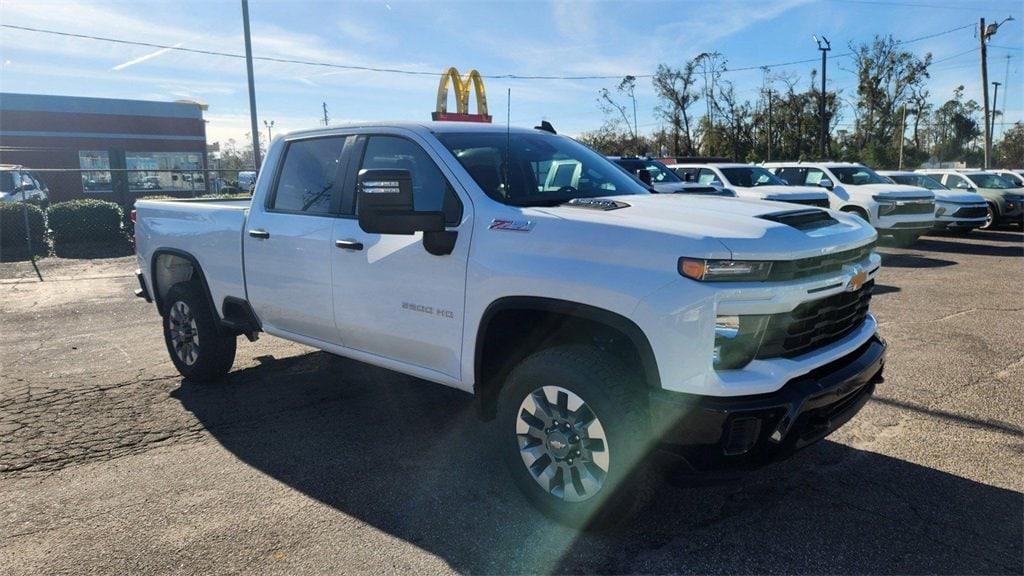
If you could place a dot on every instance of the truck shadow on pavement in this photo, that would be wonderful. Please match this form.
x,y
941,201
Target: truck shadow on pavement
x,y
410,458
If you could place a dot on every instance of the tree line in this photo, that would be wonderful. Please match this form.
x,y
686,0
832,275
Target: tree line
x,y
700,114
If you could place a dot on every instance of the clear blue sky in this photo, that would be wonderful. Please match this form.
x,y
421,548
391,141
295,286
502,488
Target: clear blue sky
x,y
525,38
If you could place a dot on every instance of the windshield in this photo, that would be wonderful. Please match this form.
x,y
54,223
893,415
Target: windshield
x,y
857,175
544,170
918,180
990,181
751,177
658,171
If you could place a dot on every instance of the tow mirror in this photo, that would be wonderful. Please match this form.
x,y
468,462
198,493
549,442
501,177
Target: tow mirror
x,y
826,183
384,203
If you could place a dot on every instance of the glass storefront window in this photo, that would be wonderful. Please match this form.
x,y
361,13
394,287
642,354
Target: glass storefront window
x,y
166,171
95,165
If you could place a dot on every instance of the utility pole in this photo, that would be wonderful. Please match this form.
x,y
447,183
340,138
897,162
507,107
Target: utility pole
x,y
984,87
252,87
769,125
326,120
903,130
995,108
824,46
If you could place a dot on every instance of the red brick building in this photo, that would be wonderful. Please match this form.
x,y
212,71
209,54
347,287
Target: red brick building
x,y
105,148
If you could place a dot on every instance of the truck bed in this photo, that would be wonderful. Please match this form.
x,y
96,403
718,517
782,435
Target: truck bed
x,y
210,230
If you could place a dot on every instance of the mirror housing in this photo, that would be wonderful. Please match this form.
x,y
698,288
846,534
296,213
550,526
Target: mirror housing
x,y
826,183
384,200
644,176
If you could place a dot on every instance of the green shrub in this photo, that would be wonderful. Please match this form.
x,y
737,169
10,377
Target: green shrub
x,y
12,228
81,221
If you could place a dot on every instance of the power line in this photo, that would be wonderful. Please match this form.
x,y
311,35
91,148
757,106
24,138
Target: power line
x,y
303,62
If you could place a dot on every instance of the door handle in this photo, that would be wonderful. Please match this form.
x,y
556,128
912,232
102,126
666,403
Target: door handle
x,y
258,233
348,244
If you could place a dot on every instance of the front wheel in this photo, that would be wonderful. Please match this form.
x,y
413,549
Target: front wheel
x,y
197,347
573,433
991,217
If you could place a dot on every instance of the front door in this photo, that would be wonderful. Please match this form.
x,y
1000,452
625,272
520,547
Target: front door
x,y
391,297
288,242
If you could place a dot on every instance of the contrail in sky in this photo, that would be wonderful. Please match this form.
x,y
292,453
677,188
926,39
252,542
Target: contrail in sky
x,y
141,59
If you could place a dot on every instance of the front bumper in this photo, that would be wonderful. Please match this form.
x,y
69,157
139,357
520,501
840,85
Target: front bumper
x,y
728,433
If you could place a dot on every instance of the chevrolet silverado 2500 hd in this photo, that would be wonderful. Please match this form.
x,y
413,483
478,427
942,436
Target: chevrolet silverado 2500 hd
x,y
592,319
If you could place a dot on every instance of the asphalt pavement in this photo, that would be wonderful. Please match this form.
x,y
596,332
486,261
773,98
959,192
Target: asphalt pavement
x,y
306,463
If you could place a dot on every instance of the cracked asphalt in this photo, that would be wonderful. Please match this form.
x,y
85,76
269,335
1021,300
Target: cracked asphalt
x,y
304,463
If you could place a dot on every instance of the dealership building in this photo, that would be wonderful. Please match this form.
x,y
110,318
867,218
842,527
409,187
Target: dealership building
x,y
105,148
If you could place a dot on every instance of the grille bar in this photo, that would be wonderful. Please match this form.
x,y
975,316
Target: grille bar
x,y
971,212
913,208
805,267
815,324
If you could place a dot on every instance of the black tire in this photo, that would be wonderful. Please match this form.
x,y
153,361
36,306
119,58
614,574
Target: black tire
x,y
993,218
905,239
615,397
210,356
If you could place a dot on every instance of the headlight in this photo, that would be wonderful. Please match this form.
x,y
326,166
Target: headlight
x,y
737,339
885,205
724,270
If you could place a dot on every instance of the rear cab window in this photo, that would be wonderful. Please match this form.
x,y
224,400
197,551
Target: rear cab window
x,y
310,177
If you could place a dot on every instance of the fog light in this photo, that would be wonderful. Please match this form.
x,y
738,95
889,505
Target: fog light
x,y
737,339
743,433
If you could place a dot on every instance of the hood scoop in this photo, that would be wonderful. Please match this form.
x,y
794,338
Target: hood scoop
x,y
802,219
602,204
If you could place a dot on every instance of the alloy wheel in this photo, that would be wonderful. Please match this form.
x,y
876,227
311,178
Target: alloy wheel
x,y
562,443
184,333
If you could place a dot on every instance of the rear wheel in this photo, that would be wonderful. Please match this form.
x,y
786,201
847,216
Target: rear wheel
x,y
573,433
197,347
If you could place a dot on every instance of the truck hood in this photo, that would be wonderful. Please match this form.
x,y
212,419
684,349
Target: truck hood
x,y
957,197
900,191
789,192
737,224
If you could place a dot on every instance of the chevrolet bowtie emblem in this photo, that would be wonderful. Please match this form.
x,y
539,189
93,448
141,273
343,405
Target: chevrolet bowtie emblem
x,y
462,86
858,280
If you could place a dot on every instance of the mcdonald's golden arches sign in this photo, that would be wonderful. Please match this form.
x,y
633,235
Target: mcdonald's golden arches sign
x,y
462,86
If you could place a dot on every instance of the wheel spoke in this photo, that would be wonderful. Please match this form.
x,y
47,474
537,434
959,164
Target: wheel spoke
x,y
563,403
593,444
540,465
541,400
583,417
577,482
556,485
532,421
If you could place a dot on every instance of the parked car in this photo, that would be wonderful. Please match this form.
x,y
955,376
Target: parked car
x,y
247,180
663,180
749,181
1014,176
592,320
1005,201
901,212
18,184
954,211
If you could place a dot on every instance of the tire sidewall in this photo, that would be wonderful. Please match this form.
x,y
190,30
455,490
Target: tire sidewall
x,y
625,434
215,350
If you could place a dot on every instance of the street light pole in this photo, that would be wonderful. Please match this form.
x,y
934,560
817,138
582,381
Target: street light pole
x,y
252,87
995,109
270,134
824,46
984,33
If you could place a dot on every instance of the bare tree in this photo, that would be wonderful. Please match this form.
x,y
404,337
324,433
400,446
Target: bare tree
x,y
675,90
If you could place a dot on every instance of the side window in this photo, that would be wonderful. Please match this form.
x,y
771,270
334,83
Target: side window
x,y
309,176
430,189
955,181
792,176
687,174
706,176
813,177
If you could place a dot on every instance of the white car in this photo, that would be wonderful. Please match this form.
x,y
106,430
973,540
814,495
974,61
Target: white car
x,y
589,317
954,211
1014,176
902,212
749,181
20,185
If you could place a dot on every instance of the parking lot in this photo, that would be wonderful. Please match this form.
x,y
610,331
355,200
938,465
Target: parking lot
x,y
303,462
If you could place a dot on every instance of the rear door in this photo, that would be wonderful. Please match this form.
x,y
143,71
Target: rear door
x,y
392,298
289,244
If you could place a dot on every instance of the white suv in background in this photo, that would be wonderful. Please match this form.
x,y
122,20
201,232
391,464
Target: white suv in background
x,y
901,212
749,181
954,211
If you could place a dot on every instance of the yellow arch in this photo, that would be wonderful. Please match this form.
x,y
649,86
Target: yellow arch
x,y
461,92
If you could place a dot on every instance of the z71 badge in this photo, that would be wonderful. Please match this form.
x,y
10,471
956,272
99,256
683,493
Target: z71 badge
x,y
511,225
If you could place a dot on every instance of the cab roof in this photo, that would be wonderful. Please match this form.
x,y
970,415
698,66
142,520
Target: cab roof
x,y
431,127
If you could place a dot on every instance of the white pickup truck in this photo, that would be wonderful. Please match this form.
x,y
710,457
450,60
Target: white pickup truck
x,y
594,321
